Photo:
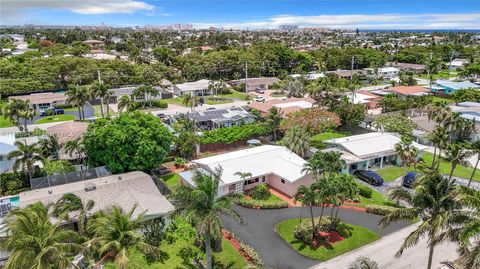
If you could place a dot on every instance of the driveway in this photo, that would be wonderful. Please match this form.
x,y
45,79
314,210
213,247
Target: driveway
x,y
259,232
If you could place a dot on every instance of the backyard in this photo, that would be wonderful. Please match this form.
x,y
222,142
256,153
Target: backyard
x,y
171,180
317,140
55,118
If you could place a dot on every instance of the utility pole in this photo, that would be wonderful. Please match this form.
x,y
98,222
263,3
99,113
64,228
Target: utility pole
x,y
246,76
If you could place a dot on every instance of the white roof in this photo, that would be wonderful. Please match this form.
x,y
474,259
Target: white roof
x,y
359,98
370,143
301,104
258,161
388,69
194,86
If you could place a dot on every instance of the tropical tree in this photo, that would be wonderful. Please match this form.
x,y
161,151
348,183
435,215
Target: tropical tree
x,y
439,138
406,151
346,190
34,241
434,201
26,156
456,155
308,197
27,114
432,66
19,109
78,96
125,103
50,146
244,175
99,89
363,262
297,140
76,147
475,147
115,233
71,207
202,207
190,100
274,119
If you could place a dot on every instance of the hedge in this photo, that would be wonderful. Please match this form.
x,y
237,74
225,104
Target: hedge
x,y
231,134
364,191
259,204
35,132
380,210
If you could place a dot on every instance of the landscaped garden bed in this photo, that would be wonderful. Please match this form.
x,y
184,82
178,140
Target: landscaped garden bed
x,y
245,250
329,242
259,198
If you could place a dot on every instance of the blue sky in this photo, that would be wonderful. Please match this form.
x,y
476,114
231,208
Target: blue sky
x,y
365,14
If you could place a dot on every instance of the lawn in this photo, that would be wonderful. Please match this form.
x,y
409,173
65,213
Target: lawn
x,y
56,118
228,257
237,95
327,136
360,237
171,180
442,74
210,101
274,198
391,173
4,122
376,199
460,171
440,99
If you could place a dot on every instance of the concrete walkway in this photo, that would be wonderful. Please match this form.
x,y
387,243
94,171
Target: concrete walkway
x,y
259,232
383,252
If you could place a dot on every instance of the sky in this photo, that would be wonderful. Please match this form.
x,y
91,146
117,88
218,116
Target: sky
x,y
251,14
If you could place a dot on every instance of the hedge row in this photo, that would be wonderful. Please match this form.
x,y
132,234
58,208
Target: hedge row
x,y
380,210
247,251
235,133
259,204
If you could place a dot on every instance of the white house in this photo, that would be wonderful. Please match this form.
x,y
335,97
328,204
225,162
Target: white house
x,y
388,72
276,166
457,63
196,88
368,150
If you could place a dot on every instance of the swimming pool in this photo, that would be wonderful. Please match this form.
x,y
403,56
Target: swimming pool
x,y
15,201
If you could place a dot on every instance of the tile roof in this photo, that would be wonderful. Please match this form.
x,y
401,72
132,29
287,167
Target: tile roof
x,y
68,131
408,90
41,98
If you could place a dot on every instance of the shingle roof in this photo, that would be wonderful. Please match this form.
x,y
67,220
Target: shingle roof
x,y
68,131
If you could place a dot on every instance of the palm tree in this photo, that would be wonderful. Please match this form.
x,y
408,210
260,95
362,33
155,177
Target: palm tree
x,y
50,146
202,207
78,96
475,146
244,175
75,147
35,242
25,157
432,66
456,155
315,165
125,102
333,162
308,197
17,109
115,233
346,190
363,262
433,200
190,100
274,118
406,151
439,138
27,113
70,206
297,140
99,89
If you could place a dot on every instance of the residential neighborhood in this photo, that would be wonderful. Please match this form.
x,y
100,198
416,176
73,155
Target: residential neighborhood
x,y
239,134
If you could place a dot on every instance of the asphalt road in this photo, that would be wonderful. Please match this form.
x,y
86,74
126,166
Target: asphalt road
x,y
259,232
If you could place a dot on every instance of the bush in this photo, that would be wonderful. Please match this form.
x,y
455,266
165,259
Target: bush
x,y
260,192
63,106
364,191
303,231
13,183
380,210
251,254
179,161
35,132
259,204
160,104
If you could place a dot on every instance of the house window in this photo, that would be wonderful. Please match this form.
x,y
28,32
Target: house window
x,y
283,181
231,188
251,181
263,179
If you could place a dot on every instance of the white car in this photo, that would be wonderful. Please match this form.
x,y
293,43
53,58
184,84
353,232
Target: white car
x,y
259,99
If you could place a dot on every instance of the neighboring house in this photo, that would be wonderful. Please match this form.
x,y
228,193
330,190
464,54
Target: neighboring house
x,y
276,166
119,92
366,98
386,72
220,118
415,68
124,190
367,150
404,91
348,73
309,76
196,88
449,87
252,84
287,106
7,142
41,100
65,132
457,63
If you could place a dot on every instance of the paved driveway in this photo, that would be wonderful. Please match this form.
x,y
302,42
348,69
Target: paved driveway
x,y
259,232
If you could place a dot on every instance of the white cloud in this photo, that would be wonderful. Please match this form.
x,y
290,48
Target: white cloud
x,y
363,21
12,9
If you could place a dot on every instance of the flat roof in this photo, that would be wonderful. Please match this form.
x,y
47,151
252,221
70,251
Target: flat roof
x,y
193,86
124,190
289,105
41,98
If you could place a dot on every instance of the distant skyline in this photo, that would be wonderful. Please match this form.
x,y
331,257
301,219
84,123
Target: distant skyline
x,y
242,14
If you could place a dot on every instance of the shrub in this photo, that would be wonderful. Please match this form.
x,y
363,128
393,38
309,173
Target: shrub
x,y
63,106
179,161
260,192
303,231
160,104
259,204
35,132
232,134
365,191
12,183
251,254
380,210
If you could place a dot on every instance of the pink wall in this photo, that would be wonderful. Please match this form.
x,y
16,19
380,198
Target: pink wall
x,y
288,188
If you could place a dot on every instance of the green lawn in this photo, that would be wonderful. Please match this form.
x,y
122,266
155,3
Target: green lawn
x,y
442,74
274,198
327,136
229,258
391,173
216,102
360,236
376,199
171,180
55,118
237,95
440,99
4,122
175,101
460,171
98,111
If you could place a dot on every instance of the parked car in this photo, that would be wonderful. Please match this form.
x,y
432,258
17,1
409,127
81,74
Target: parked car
x,y
51,111
210,108
370,177
259,99
259,90
409,179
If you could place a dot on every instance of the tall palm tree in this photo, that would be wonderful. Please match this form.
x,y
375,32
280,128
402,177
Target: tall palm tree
x,y
50,146
125,103
71,207
35,242
406,151
456,155
76,147
432,66
308,197
433,200
115,233
27,114
99,89
333,162
363,263
190,100
439,138
202,207
19,109
316,165
274,119
297,140
475,146
347,190
25,157
78,96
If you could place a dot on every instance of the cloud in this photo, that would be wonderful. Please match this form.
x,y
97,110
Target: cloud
x,y
11,9
364,21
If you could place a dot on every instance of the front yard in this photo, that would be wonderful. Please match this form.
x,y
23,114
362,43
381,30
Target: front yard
x,y
391,173
55,118
360,237
445,166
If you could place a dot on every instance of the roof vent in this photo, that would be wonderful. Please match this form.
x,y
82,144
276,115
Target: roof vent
x,y
90,187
